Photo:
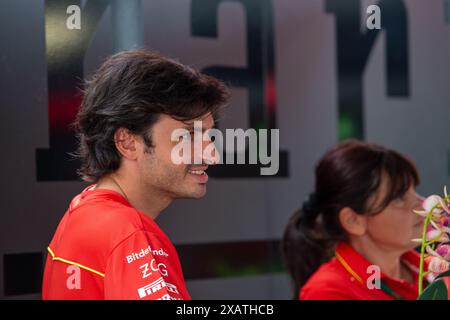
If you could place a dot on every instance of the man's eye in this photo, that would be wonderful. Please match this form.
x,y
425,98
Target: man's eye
x,y
210,136
185,136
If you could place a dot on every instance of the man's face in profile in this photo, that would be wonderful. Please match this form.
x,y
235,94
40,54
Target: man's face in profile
x,y
158,169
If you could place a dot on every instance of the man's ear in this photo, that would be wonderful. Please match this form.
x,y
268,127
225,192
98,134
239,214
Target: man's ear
x,y
125,143
353,223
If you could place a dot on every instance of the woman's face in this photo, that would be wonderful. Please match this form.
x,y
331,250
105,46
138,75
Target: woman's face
x,y
395,226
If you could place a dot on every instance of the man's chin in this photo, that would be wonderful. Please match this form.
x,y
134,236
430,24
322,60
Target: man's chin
x,y
198,193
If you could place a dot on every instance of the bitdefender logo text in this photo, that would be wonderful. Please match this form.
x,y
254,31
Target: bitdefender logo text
x,y
136,256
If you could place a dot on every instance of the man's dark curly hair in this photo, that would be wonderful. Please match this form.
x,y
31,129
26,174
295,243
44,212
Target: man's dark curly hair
x,y
130,90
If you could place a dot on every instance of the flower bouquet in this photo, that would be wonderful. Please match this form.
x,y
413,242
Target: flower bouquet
x,y
434,247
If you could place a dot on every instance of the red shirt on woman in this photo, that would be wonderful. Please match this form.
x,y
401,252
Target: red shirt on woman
x,y
345,278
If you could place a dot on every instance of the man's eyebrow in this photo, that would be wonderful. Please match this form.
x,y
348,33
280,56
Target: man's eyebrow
x,y
190,126
187,125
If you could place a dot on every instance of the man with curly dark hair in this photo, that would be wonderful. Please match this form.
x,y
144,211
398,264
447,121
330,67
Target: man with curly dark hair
x,y
107,245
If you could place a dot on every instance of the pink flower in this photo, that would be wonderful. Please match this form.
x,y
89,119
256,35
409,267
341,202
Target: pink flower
x,y
437,235
444,251
434,235
437,265
439,225
432,201
444,220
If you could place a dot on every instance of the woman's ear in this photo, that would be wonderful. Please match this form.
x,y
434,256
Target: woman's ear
x,y
353,223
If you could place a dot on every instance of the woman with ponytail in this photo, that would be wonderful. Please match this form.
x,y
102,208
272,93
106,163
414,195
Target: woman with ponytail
x,y
352,238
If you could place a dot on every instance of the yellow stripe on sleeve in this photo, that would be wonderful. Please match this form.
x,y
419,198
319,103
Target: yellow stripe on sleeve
x,y
55,258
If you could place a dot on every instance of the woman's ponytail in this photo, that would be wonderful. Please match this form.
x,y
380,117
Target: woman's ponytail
x,y
305,247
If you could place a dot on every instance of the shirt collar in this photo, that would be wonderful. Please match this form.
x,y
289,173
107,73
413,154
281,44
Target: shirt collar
x,y
358,266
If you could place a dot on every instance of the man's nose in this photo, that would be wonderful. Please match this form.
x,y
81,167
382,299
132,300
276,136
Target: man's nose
x,y
211,156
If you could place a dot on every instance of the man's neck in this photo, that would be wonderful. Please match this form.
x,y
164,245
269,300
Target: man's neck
x,y
150,202
389,261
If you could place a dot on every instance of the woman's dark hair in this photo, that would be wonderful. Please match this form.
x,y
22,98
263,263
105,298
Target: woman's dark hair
x,y
346,176
130,90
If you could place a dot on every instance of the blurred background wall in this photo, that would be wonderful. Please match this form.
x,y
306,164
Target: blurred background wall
x,y
308,67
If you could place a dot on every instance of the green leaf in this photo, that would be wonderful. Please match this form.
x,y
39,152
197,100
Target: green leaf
x,y
437,290
444,274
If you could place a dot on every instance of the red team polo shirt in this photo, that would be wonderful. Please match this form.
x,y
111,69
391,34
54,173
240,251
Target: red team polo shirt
x,y
103,248
345,276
